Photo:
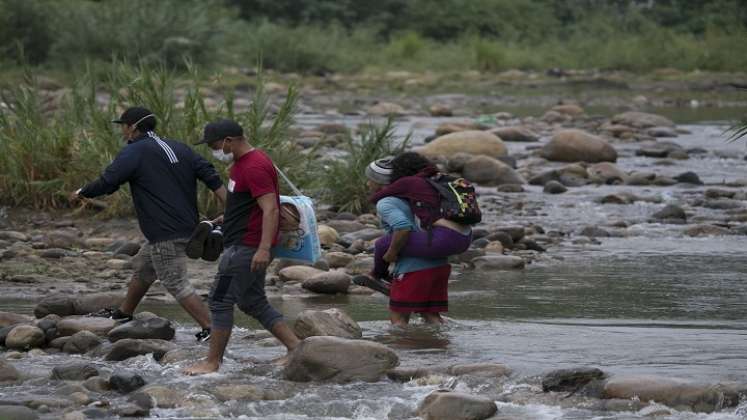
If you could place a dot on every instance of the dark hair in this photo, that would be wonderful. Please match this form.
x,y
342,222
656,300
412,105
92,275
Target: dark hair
x,y
148,124
408,164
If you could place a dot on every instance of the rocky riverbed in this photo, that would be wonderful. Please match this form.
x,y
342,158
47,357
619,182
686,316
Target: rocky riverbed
x,y
605,282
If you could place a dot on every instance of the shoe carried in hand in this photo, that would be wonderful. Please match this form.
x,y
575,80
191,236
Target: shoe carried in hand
x,y
196,243
379,285
213,245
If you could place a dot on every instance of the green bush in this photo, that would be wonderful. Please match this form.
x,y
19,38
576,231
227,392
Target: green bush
x,y
25,24
341,182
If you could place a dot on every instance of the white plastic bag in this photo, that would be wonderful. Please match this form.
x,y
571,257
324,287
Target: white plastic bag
x,y
299,237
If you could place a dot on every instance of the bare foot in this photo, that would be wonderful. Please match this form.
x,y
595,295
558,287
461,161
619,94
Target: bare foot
x,y
201,368
281,361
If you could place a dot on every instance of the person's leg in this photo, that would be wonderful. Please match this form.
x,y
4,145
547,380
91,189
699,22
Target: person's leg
x,y
221,301
432,318
252,300
170,263
399,319
144,275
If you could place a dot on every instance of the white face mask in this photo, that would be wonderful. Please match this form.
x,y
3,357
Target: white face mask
x,y
221,155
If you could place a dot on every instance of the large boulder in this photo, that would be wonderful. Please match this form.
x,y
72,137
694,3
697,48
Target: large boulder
x,y
25,337
330,282
339,360
74,372
328,236
330,322
62,305
81,342
129,347
95,302
445,405
8,373
578,146
498,262
338,259
641,120
9,318
159,328
570,380
516,133
298,273
71,325
673,392
488,171
472,142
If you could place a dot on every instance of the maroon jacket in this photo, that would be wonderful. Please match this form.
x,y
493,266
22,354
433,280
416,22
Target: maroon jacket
x,y
425,201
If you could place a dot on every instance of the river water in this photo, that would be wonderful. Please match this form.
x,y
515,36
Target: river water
x,y
650,302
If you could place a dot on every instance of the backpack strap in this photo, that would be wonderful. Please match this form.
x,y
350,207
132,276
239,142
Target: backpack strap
x,y
287,180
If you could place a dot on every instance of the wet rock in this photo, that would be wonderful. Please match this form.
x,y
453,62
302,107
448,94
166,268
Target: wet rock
x,y
456,127
339,360
672,392
532,245
125,382
467,256
386,108
25,337
444,405
570,380
74,372
641,178
515,134
367,234
498,262
662,132
158,328
63,239
619,198
485,170
554,187
97,384
606,173
128,347
494,248
503,237
55,253
48,322
553,117
516,232
8,373
471,142
330,282
17,412
298,273
94,302
568,109
164,397
440,110
61,305
641,120
510,188
715,193
239,392
80,398
706,230
724,204
577,145
689,178
13,236
71,325
594,232
338,259
484,370
330,322
124,247
81,342
59,342
361,265
670,212
8,318
346,226
132,410
142,400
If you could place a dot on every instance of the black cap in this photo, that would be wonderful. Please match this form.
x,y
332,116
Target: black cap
x,y
218,130
133,115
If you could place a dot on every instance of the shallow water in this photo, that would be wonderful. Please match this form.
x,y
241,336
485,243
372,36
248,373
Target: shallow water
x,y
652,301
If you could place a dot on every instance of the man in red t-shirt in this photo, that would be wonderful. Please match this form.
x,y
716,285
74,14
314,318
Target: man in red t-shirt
x,y
250,229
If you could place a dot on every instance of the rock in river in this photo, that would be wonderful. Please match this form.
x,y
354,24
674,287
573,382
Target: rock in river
x,y
330,322
444,405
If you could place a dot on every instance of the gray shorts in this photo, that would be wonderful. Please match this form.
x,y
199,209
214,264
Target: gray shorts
x,y
165,261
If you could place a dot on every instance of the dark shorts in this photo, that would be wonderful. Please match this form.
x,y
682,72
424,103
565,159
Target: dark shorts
x,y
236,284
424,291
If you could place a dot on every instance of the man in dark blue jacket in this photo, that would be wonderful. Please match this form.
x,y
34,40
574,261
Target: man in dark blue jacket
x,y
163,178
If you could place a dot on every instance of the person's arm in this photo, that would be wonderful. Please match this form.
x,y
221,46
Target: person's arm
x,y
121,170
397,188
399,223
270,220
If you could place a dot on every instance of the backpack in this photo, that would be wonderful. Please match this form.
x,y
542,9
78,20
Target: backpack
x,y
458,199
